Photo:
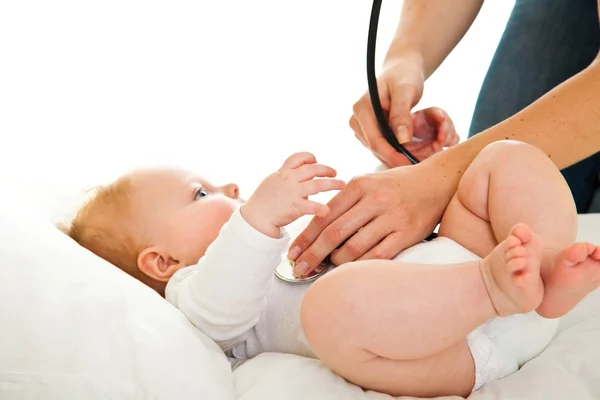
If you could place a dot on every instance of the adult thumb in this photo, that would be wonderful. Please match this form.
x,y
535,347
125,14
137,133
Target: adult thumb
x,y
400,119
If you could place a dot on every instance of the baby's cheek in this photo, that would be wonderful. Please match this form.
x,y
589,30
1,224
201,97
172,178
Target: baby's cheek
x,y
220,212
203,231
224,209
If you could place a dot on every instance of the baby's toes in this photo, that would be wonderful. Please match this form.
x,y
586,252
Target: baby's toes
x,y
522,232
516,252
577,253
511,242
595,255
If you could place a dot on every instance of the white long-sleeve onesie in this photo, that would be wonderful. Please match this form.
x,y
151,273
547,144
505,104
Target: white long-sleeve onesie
x,y
233,297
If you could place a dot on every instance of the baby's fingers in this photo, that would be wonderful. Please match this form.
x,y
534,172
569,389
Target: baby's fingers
x,y
310,171
298,159
320,185
309,207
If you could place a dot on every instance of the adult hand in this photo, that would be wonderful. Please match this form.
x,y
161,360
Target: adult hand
x,y
375,216
432,131
400,88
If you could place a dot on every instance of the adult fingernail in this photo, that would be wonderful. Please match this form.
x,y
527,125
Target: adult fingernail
x,y
301,268
402,134
294,253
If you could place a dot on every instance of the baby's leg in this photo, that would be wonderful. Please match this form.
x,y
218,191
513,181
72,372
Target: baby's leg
x,y
509,183
568,275
400,328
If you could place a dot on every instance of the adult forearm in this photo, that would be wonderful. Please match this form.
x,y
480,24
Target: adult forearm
x,y
429,30
564,123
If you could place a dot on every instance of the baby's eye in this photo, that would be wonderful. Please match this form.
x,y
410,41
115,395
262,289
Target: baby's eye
x,y
200,193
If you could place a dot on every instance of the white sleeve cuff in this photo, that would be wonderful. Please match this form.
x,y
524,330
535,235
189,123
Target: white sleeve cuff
x,y
254,238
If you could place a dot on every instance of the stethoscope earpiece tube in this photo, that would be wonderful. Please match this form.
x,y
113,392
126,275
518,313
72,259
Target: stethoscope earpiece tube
x,y
386,130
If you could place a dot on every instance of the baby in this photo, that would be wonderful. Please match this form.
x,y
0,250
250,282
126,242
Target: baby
x,y
396,327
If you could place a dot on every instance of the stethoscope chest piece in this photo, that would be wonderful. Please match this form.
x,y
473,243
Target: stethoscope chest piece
x,y
285,272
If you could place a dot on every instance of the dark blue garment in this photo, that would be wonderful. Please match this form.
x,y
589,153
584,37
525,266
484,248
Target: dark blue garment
x,y
545,43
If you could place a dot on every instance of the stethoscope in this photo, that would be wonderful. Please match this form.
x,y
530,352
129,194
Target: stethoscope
x,y
285,269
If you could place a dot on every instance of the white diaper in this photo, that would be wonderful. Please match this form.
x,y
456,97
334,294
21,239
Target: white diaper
x,y
502,345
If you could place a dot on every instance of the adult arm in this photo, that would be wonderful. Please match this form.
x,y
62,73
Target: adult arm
x,y
426,33
400,207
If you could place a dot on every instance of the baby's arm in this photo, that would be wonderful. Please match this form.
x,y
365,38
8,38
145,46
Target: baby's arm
x,y
225,293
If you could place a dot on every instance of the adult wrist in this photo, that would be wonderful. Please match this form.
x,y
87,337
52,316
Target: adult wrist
x,y
403,54
442,176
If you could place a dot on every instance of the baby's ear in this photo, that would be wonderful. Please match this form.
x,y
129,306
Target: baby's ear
x,y
157,264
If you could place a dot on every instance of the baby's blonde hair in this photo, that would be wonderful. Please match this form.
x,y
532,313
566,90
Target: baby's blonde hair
x,y
105,225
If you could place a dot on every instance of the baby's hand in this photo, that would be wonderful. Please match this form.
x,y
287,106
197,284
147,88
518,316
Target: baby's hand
x,y
282,197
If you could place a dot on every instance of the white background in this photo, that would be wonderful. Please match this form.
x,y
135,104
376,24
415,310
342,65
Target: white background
x,y
89,89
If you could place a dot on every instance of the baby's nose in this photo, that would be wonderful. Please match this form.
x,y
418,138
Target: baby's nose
x,y
231,190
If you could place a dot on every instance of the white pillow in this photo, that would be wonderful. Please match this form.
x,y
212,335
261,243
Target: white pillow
x,y
72,326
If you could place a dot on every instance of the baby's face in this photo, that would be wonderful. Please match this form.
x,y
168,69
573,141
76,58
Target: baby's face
x,y
181,212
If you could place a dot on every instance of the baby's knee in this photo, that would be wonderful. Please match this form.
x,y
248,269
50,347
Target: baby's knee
x,y
512,151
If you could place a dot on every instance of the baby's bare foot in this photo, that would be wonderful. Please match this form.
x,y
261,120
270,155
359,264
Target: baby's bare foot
x,y
568,277
511,272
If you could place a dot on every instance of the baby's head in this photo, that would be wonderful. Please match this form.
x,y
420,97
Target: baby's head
x,y
151,223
